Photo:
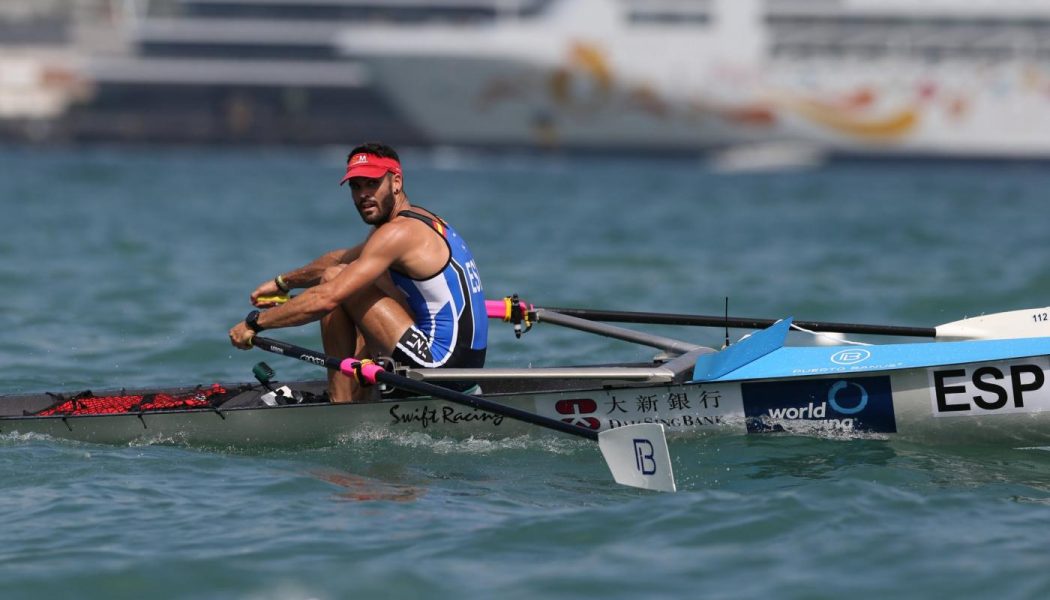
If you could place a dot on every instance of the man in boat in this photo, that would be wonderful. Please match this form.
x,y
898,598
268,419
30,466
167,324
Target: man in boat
x,y
410,291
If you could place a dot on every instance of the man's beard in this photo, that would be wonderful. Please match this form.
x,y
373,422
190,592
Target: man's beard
x,y
381,215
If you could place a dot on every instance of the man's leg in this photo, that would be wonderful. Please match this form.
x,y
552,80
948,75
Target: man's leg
x,y
366,325
341,339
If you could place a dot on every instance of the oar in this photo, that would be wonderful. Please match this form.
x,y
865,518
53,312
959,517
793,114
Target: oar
x,y
1033,322
637,454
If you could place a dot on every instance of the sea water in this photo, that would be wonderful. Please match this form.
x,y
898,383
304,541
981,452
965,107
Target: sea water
x,y
125,267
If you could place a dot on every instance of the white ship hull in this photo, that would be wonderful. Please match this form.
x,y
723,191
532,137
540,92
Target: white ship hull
x,y
594,74
488,102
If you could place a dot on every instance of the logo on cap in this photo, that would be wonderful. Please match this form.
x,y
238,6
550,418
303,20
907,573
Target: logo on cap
x,y
364,164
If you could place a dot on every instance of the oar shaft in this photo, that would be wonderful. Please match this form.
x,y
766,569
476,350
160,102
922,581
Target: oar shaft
x,y
636,454
374,373
298,352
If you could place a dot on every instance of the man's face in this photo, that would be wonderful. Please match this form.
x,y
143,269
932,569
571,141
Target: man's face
x,y
374,198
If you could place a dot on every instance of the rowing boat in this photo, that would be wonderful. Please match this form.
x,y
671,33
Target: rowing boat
x,y
983,390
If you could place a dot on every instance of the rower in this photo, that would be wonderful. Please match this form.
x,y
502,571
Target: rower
x,y
410,291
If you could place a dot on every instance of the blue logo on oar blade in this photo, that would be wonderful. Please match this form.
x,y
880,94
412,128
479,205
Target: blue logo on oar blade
x,y
857,404
644,456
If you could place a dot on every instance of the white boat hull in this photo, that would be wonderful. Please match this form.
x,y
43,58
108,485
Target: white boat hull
x,y
1001,402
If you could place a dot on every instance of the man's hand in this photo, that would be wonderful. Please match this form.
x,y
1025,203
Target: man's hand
x,y
241,336
268,288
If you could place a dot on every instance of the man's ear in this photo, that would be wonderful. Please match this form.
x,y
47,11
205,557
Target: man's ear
x,y
397,181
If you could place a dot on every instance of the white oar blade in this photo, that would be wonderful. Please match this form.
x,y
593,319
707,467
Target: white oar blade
x,y
1031,322
637,456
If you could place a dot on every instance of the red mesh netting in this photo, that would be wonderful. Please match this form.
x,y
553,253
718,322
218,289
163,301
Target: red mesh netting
x,y
88,404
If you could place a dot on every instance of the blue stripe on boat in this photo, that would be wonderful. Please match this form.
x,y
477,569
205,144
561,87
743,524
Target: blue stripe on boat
x,y
838,360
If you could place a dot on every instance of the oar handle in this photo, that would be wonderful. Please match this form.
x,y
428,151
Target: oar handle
x,y
503,309
512,310
278,299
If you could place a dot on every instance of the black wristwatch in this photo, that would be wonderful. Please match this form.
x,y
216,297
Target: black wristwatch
x,y
252,321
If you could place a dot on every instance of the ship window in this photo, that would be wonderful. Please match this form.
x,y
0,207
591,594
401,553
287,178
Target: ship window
x,y
668,12
240,51
932,39
669,18
378,10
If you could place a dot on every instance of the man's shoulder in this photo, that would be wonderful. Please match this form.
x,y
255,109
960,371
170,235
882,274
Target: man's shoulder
x,y
397,229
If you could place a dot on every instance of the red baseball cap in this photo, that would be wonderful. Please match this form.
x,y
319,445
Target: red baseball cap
x,y
365,164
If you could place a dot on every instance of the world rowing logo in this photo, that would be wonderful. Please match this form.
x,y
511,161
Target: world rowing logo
x,y
850,357
854,404
859,403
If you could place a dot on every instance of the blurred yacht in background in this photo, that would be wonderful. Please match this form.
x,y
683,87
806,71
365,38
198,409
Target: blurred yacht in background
x,y
756,83
200,71
947,78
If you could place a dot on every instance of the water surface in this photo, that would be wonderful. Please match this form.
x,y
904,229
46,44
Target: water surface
x,y
125,267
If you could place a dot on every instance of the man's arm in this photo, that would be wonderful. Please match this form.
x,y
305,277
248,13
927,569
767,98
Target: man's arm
x,y
307,275
310,274
372,260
